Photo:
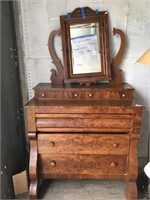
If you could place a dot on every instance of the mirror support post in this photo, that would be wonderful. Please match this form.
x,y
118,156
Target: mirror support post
x,y
116,71
57,77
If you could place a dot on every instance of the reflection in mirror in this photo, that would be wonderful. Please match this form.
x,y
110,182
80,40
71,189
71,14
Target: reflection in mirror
x,y
85,48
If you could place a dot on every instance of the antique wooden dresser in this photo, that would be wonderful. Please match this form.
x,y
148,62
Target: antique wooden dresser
x,y
83,131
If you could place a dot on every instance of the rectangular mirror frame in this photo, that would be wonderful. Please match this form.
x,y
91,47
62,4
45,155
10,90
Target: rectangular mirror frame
x,y
90,17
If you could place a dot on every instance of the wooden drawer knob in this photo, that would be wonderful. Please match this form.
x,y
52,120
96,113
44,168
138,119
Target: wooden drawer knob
x,y
52,144
113,164
53,163
115,145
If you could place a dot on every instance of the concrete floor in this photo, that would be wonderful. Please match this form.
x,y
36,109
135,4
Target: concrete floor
x,y
80,190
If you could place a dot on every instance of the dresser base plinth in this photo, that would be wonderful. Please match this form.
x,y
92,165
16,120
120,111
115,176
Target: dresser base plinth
x,y
131,191
33,190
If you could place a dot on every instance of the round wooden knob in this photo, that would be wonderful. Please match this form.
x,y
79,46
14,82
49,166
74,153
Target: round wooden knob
x,y
53,163
113,164
115,145
52,144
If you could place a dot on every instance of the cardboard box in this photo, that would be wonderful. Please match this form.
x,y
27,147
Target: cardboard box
x,y
20,183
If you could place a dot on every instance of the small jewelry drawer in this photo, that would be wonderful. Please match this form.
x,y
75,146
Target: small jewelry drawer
x,y
121,95
59,95
109,95
95,95
53,95
72,95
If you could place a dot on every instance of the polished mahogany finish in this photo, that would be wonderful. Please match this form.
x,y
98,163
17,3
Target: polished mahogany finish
x,y
79,137
46,91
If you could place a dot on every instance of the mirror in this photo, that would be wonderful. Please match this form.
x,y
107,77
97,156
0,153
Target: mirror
x,y
85,48
86,52
85,42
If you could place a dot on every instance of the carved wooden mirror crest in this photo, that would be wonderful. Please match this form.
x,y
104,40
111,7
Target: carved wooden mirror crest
x,y
86,51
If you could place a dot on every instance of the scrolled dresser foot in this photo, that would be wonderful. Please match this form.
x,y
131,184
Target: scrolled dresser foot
x,y
33,190
131,191
33,169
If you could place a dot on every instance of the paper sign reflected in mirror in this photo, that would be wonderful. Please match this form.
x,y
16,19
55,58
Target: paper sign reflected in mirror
x,y
85,48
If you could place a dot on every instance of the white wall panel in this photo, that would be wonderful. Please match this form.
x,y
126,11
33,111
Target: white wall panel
x,y
37,28
40,70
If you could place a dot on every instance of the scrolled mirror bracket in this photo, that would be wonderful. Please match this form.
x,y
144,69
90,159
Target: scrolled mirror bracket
x,y
57,77
117,72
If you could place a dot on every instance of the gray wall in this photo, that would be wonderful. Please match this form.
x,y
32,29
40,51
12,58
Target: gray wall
x,y
37,18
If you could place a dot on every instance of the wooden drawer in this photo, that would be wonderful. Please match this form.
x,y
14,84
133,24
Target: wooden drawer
x,y
41,95
72,95
83,122
84,95
58,95
80,92
83,143
109,95
81,164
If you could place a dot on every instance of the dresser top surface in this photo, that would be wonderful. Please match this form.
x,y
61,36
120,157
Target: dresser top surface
x,y
68,104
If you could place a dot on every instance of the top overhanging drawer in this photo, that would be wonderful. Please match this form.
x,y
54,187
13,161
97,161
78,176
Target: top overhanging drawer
x,y
83,122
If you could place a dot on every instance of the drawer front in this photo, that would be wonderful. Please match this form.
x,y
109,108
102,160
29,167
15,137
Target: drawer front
x,y
53,95
72,95
59,95
84,95
83,122
82,164
117,144
109,95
